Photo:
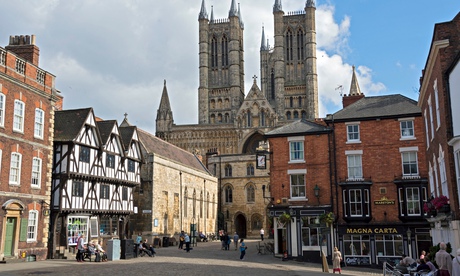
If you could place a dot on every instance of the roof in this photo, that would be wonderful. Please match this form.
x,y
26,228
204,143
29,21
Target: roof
x,y
68,123
298,127
379,106
162,148
105,129
126,134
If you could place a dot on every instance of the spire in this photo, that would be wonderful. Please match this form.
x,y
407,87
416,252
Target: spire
x,y
354,86
240,17
165,107
310,4
203,14
233,10
212,14
277,7
263,46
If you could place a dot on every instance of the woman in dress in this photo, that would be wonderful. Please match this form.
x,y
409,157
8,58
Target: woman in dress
x,y
336,259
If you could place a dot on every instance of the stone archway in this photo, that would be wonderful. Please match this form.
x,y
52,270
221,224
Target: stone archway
x,y
241,226
252,143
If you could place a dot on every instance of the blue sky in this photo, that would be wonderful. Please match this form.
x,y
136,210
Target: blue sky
x,y
114,55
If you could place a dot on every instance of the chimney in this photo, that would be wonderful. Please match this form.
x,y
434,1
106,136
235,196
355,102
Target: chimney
x,y
24,47
351,99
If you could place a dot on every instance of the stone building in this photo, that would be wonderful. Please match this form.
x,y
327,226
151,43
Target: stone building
x,y
28,98
176,192
231,125
439,101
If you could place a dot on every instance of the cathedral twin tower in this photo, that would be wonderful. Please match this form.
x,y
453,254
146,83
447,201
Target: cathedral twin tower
x,y
288,75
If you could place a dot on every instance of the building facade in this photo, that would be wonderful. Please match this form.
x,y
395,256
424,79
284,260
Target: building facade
x,y
28,98
96,170
438,101
231,125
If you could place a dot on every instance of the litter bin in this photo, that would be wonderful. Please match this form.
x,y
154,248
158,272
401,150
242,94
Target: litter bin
x,y
165,241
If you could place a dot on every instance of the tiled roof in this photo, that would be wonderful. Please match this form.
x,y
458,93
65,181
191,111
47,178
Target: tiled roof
x,y
298,127
105,129
162,148
377,107
126,133
68,123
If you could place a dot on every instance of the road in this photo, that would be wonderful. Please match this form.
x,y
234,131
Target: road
x,y
204,259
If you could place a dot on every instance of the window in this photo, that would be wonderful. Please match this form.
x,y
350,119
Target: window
x,y
109,226
354,163
409,162
250,194
2,57
18,121
310,233
426,130
228,194
39,123
75,227
77,189
250,169
84,154
256,222
110,161
2,109
353,133
436,102
430,108
300,42
356,245
411,200
442,172
356,202
124,193
105,190
407,129
262,118
297,185
249,119
296,149
36,172
213,52
15,168
224,51
288,115
32,226
20,66
41,76
228,170
289,46
291,102
296,115
131,166
389,245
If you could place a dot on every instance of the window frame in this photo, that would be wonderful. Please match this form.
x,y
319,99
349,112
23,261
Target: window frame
x,y
296,149
228,194
2,109
104,191
297,184
250,169
32,226
39,123
250,194
353,170
131,166
124,193
403,123
36,172
15,169
110,160
364,203
18,119
78,188
354,134
84,154
407,153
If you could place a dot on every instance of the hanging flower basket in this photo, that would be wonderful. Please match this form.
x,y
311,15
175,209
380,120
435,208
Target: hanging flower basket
x,y
327,218
440,201
284,218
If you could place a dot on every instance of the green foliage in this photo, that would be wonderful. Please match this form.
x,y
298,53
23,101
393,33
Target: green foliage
x,y
327,218
435,249
284,218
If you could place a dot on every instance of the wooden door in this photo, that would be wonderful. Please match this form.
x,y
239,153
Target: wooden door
x,y
9,236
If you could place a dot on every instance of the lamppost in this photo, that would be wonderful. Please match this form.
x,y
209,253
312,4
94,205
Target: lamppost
x,y
409,234
316,190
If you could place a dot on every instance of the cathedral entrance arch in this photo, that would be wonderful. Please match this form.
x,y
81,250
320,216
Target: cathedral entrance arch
x,y
240,226
252,143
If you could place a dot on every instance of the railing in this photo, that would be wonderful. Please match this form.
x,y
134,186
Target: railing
x,y
390,270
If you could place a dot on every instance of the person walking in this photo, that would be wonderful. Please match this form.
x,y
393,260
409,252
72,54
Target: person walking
x,y
235,240
81,247
443,260
243,248
181,240
456,264
187,243
336,259
262,232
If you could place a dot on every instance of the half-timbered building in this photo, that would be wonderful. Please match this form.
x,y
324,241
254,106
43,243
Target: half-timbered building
x,y
96,168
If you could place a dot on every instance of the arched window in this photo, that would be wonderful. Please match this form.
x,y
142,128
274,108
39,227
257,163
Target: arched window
x,y
228,170
213,104
219,118
296,115
228,194
250,193
224,51
227,118
291,102
213,52
262,118
250,169
213,118
185,202
289,45
300,42
304,115
249,117
288,115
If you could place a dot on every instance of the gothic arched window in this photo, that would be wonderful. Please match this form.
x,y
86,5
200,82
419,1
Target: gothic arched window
x,y
272,84
300,41
262,118
289,45
250,169
228,170
304,115
213,52
288,115
296,115
250,193
249,117
228,194
224,51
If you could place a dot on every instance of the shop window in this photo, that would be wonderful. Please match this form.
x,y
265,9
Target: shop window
x,y
76,226
356,245
389,245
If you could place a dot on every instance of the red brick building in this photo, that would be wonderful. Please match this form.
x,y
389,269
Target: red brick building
x,y
439,101
27,102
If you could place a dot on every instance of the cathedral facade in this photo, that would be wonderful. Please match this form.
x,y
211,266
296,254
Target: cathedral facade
x,y
232,121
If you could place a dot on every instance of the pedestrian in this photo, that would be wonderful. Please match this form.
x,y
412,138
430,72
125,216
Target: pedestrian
x,y
336,260
225,242
262,232
181,240
139,238
443,260
187,242
149,247
456,264
235,240
243,248
81,247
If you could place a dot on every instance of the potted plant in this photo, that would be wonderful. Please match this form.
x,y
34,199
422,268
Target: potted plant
x,y
441,204
284,218
327,218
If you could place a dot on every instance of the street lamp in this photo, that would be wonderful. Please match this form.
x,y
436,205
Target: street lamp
x,y
316,190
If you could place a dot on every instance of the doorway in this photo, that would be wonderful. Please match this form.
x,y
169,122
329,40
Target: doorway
x,y
9,236
240,226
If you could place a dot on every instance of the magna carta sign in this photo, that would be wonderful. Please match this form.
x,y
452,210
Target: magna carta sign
x,y
384,201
